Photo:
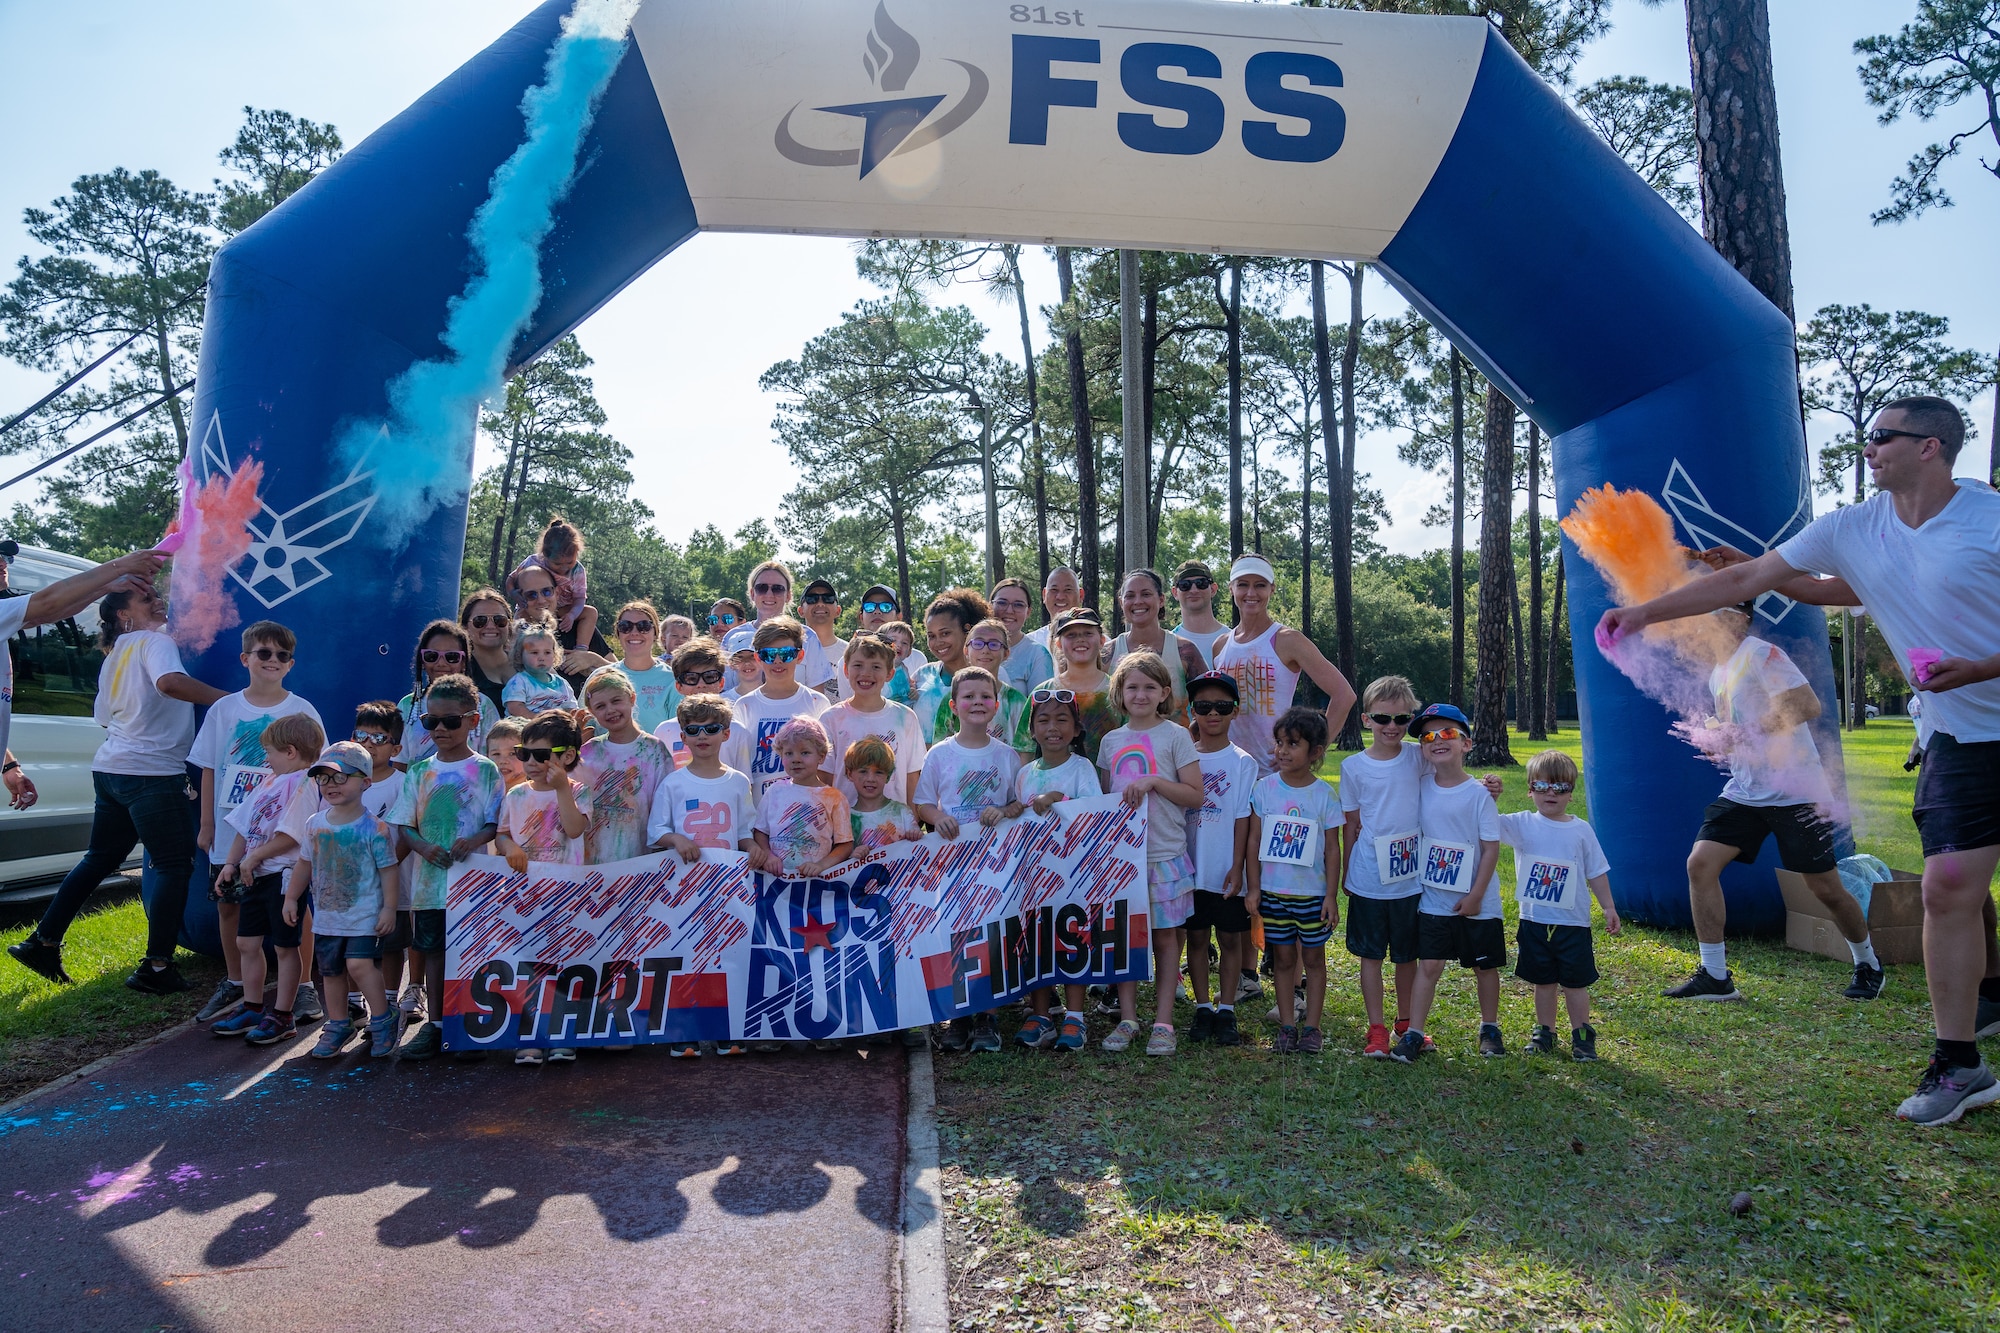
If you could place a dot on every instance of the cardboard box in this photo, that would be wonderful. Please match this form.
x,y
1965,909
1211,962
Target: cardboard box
x,y
1895,919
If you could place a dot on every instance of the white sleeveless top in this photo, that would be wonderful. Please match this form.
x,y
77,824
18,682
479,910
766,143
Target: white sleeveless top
x,y
1265,685
1170,653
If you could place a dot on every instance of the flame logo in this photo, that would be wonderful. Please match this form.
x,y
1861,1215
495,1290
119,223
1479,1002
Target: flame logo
x,y
892,54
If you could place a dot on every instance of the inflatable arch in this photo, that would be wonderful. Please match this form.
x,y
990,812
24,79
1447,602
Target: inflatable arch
x,y
1422,145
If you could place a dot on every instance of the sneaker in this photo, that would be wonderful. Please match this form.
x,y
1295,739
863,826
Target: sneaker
x,y
685,1051
1489,1040
528,1055
1103,999
1542,1041
236,1024
730,1046
1182,993
424,1043
382,1033
228,994
271,1029
1203,1026
150,980
357,1010
916,1039
36,956
1225,1033
1071,1036
411,1002
1402,1026
1408,1047
333,1040
1035,1032
767,1047
1121,1036
306,1007
1249,988
1988,1020
1162,1041
1947,1092
954,1035
1287,1040
1378,1042
1310,1042
985,1035
1703,986
562,1055
1583,1043
1867,984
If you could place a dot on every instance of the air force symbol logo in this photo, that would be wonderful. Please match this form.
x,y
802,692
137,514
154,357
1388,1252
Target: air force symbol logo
x,y
287,549
890,126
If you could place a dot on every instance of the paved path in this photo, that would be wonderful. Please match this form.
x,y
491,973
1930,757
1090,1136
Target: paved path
x,y
203,1184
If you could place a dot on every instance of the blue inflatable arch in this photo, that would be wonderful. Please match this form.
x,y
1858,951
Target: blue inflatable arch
x,y
1424,146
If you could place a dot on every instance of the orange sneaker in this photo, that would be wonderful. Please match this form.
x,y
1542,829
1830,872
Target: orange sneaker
x,y
1378,1042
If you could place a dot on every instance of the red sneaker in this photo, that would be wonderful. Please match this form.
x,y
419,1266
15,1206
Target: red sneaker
x,y
1403,1025
1378,1042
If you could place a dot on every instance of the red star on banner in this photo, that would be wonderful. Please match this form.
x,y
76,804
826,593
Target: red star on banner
x,y
812,935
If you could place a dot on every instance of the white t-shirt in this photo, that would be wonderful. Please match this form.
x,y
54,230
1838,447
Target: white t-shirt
x,y
1228,776
1937,586
892,724
264,815
13,617
1127,754
149,734
710,812
1075,777
758,717
1291,839
231,742
962,781
668,733
836,657
1203,641
380,798
1028,664
1384,792
534,820
1553,862
813,670
1782,768
1455,821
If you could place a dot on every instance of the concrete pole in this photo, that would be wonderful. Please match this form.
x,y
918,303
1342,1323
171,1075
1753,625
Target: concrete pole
x,y
1131,372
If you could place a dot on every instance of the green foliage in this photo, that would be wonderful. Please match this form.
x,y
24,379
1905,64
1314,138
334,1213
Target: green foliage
x,y
275,154
1651,126
1948,55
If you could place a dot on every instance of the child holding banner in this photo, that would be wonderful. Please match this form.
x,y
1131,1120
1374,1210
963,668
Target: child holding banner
x,y
803,822
545,818
705,803
1058,774
621,769
877,820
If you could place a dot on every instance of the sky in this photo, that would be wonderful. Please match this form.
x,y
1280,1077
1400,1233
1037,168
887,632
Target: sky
x,y
162,84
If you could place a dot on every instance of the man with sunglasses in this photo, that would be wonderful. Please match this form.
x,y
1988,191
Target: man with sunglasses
x,y
770,591
1194,589
1923,553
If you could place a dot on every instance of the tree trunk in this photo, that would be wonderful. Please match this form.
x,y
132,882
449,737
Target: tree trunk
x,y
156,313
1149,345
1349,737
520,497
500,513
1306,539
1037,461
1087,522
1132,502
1236,410
996,559
1860,454
1538,728
1736,123
1457,530
1256,499
1329,432
1993,439
1857,681
1521,722
1552,688
1496,504
899,525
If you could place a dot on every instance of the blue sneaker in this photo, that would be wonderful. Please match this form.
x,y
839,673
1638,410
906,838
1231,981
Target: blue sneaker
x,y
1036,1032
382,1035
1072,1036
333,1038
271,1030
237,1024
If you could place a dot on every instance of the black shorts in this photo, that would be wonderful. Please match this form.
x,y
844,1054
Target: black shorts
x,y
1556,956
1957,805
1381,928
1476,942
264,913
398,939
1805,841
427,930
1215,911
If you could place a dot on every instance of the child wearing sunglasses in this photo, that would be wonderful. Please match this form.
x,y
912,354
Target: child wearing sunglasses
x,y
378,730
229,751
865,715
987,647
1379,796
535,688
1558,868
760,714
1058,773
449,809
622,769
654,693
704,803
1220,830
698,669
545,818
442,650
1458,914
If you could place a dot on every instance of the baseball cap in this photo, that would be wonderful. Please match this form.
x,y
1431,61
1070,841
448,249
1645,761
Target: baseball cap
x,y
343,757
1076,615
887,594
825,585
1252,564
1222,678
1441,713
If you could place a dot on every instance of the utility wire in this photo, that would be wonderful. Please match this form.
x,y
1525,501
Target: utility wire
x,y
122,421
71,382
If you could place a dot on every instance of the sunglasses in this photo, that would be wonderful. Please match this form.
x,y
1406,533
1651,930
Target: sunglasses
x,y
1429,734
1053,697
704,728
986,645
1211,707
1882,435
1194,583
820,599
371,737
1391,719
266,654
781,654
536,594
770,589
701,677
724,619
333,777
497,622
635,627
431,656
541,754
446,721
1552,786
878,608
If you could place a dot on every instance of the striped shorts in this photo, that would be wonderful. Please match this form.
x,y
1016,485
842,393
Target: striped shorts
x,y
1289,920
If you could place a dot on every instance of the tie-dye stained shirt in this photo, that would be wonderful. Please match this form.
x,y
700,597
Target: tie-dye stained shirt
x,y
417,743
622,780
962,781
231,742
347,863
930,696
443,803
534,819
538,694
260,818
894,822
802,823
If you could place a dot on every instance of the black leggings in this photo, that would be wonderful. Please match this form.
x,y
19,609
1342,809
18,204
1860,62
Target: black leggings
x,y
132,810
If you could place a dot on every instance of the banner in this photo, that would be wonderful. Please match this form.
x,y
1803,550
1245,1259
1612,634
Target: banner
x,y
657,949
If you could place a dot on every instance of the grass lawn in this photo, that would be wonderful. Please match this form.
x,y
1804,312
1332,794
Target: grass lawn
x,y
1232,1190
47,1030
